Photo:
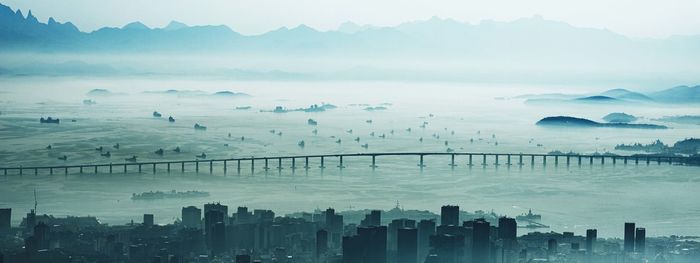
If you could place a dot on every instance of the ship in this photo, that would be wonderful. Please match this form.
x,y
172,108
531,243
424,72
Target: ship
x,y
312,122
49,120
200,127
171,119
170,194
529,217
157,114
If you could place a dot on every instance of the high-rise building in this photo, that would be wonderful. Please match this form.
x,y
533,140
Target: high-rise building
x,y
5,219
393,228
210,219
374,218
217,207
481,241
242,258
321,243
591,237
426,228
407,243
446,248
449,215
552,247
629,237
640,240
218,238
41,236
191,217
508,232
148,219
31,221
369,245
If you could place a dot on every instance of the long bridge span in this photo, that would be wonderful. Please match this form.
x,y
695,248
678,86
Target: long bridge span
x,y
455,158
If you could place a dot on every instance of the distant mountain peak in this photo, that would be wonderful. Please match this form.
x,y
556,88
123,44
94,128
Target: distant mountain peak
x,y
136,25
175,25
31,18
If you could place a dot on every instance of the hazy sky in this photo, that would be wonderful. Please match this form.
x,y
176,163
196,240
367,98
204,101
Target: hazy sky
x,y
637,18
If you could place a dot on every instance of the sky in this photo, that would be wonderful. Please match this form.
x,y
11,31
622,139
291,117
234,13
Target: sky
x,y
634,18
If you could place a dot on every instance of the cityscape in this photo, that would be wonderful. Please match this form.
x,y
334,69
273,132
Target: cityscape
x,y
210,233
349,131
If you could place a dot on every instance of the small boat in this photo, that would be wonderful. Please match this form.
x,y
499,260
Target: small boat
x,y
349,131
301,144
369,121
273,131
383,136
49,120
279,134
177,149
452,133
159,151
226,144
63,158
242,138
446,143
107,154
229,135
371,134
99,148
171,119
312,122
116,146
357,139
243,108
408,130
338,141
157,114
420,139
391,132
200,127
449,150
131,159
315,131
48,147
202,156
431,115
89,102
365,146
471,140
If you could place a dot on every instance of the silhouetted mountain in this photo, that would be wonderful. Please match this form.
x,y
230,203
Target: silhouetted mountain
x,y
680,94
619,117
566,121
526,40
625,94
597,99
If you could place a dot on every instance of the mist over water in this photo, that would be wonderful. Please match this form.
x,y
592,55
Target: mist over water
x,y
569,198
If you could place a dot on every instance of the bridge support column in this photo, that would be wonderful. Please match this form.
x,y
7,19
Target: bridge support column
x,y
658,160
124,168
36,171
636,160
211,167
625,160
568,160
341,162
65,171
420,162
252,165
508,160
614,159
139,168
168,167
294,163
670,160
470,160
648,160
238,167
322,163
591,160
579,160
520,159
306,163
556,160
51,171
266,166
496,157
544,159
81,170
182,167
196,167
602,159
452,162
483,160
532,160
374,162
225,166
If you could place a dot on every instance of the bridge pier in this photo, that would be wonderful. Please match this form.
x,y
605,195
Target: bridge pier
x,y
483,160
182,167
266,167
591,160
420,163
211,167
139,168
532,160
648,160
636,160
322,165
374,162
168,167
196,166
452,162
252,165
20,170
579,160
36,171
225,166
341,162
124,168
624,160
602,159
51,171
614,159
81,170
279,163
470,160
496,157
238,166
508,160
520,160
65,171
670,160
306,163
294,166
568,160
556,160
658,160
544,160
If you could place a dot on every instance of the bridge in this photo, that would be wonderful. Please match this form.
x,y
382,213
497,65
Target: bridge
x,y
470,159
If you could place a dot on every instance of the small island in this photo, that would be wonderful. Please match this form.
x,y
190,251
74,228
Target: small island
x,y
567,121
619,117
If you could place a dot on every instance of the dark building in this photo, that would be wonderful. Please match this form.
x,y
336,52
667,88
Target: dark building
x,y
481,241
591,237
242,258
552,247
374,218
508,232
393,228
321,243
334,226
191,217
31,221
5,219
407,243
210,219
217,207
368,246
640,240
629,237
426,228
148,219
446,248
41,236
449,215
218,238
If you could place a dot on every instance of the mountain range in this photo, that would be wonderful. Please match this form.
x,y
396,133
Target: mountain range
x,y
526,40
676,95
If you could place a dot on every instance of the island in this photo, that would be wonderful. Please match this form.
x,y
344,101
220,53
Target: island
x,y
619,117
567,121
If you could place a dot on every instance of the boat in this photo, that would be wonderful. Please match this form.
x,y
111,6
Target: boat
x,y
449,150
279,109
243,108
157,114
312,122
338,141
63,158
365,146
315,131
99,148
49,120
301,144
383,136
279,134
357,139
48,147
177,149
349,131
131,159
89,102
159,151
107,154
171,119
368,121
116,146
200,127
408,129
170,194
529,216
202,156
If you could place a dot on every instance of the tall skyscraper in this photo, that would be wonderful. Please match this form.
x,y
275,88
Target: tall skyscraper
x,y
368,246
449,215
629,237
5,219
218,238
446,248
481,249
148,219
591,237
210,219
192,217
426,228
374,218
217,207
552,247
321,243
640,240
407,243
